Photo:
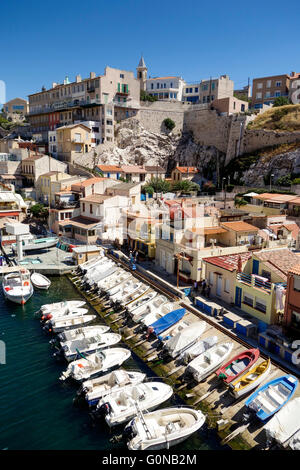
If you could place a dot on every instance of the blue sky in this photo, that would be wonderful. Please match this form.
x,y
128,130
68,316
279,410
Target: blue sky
x,y
43,41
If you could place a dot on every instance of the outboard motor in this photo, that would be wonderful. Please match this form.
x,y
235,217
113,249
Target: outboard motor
x,y
129,433
103,410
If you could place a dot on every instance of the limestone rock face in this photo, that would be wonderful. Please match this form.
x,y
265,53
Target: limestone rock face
x,y
280,165
137,146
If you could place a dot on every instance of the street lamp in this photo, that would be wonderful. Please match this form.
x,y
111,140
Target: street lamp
x,y
272,176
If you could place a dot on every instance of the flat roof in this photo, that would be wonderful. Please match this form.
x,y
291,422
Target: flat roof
x,y
86,248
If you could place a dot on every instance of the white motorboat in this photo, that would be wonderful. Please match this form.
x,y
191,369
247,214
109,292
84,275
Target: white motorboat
x,y
80,333
139,313
198,348
32,244
66,323
64,313
144,299
117,287
184,339
67,304
96,389
174,330
155,315
99,275
113,279
163,428
95,364
101,267
17,286
133,296
72,349
284,424
40,281
91,262
120,406
126,290
209,361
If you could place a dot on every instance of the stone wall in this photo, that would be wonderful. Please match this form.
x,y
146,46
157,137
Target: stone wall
x,y
259,139
151,115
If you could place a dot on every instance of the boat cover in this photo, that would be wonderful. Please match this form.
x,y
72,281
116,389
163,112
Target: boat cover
x,y
285,423
167,320
199,348
185,338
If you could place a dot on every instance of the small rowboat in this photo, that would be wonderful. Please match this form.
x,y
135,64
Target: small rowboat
x,y
237,365
251,379
40,281
272,396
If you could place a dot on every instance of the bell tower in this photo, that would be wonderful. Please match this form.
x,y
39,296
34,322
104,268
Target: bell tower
x,y
141,73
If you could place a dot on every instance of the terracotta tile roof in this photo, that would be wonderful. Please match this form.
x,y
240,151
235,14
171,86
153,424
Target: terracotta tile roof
x,y
109,168
88,182
187,169
294,228
208,230
280,198
154,169
80,221
295,201
133,169
295,269
264,196
280,261
228,262
239,226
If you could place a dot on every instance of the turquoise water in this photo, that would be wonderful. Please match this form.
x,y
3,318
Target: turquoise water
x,y
36,409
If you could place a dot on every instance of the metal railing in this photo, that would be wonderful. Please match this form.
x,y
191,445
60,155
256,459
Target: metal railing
x,y
253,280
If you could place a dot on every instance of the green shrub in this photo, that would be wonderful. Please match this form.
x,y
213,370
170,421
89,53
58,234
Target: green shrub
x,y
169,123
281,101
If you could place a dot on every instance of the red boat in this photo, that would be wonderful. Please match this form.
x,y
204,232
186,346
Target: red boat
x,y
238,365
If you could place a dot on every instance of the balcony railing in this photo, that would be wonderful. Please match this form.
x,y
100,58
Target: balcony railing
x,y
65,105
254,281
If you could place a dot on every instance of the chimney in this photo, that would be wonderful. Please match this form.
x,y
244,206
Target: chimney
x,y
293,74
54,84
92,75
78,78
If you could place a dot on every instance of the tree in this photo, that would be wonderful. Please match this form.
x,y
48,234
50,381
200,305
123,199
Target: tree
x,y
144,96
169,123
39,211
157,185
281,101
186,186
284,180
239,201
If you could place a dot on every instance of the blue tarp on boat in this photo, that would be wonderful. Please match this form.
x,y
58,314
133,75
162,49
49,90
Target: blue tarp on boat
x,y
167,320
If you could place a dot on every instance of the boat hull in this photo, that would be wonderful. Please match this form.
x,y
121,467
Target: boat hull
x,y
18,299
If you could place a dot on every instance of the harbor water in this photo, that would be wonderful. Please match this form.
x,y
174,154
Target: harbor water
x,y
37,410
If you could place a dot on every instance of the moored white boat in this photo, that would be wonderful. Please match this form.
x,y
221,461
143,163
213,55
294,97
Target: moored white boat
x,y
72,349
284,425
127,289
17,286
163,428
63,323
139,313
113,279
160,312
120,406
84,332
95,389
67,304
198,348
144,299
132,297
95,364
183,339
209,361
40,281
55,314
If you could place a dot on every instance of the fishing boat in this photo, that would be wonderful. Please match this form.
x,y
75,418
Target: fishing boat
x,y
97,271
254,377
141,312
163,428
113,279
183,339
40,281
271,397
155,314
283,426
17,286
118,286
166,322
67,304
92,282
209,361
174,330
80,333
32,244
95,364
94,390
91,262
196,349
89,345
237,365
66,323
144,299
120,406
